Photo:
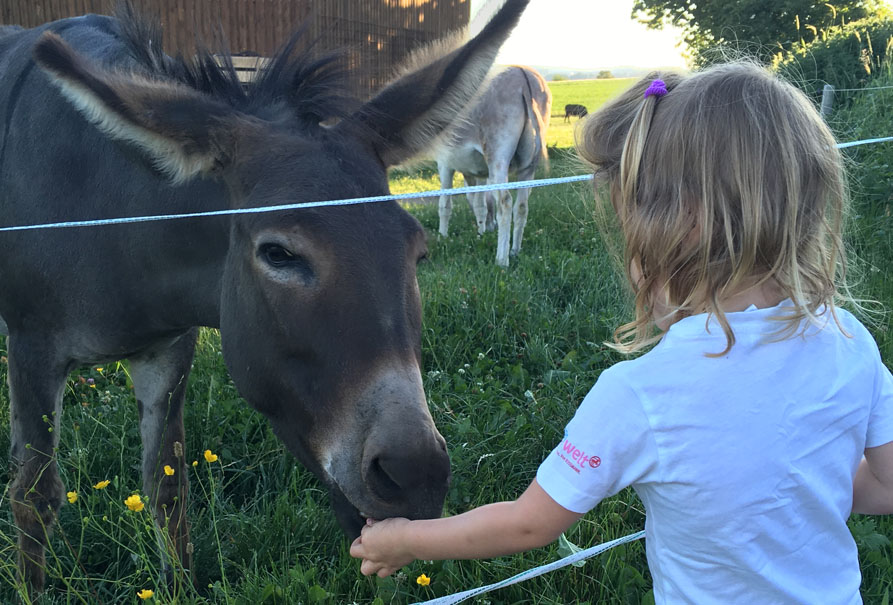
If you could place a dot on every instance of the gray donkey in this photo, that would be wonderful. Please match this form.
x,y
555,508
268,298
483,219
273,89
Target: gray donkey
x,y
319,309
503,132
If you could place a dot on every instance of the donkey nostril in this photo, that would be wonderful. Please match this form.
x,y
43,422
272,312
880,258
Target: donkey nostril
x,y
382,480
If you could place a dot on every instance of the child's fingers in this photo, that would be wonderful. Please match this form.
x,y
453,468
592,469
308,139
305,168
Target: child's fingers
x,y
384,572
369,567
356,548
369,524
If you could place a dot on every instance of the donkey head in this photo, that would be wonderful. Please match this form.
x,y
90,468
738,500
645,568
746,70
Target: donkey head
x,y
319,309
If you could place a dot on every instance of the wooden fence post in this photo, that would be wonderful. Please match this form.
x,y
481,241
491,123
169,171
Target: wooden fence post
x,y
827,100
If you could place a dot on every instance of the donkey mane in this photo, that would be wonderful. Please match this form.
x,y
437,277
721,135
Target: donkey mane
x,y
299,83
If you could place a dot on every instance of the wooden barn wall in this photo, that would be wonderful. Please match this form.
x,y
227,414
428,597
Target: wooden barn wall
x,y
377,34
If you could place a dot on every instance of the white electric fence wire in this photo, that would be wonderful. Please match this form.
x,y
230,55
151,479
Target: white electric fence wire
x,y
303,205
536,571
861,89
344,202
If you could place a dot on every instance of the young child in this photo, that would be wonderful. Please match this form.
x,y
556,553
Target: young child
x,y
763,417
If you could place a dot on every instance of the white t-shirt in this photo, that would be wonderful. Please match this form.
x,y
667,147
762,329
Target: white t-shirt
x,y
745,463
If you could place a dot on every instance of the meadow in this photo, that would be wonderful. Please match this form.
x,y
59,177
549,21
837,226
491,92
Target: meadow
x,y
589,93
507,356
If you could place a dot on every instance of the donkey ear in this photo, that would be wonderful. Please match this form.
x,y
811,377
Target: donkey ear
x,y
408,114
183,131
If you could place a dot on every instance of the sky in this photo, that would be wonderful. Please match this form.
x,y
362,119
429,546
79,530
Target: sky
x,y
584,34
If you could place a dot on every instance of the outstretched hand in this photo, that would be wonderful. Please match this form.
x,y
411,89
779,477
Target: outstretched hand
x,y
493,530
382,547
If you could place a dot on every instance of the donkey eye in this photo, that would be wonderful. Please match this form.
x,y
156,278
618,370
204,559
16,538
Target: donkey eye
x,y
287,263
283,259
276,255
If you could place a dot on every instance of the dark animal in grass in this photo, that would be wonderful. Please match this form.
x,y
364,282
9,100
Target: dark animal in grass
x,y
574,110
318,309
502,133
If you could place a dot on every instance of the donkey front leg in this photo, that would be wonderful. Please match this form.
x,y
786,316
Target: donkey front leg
x,y
159,381
445,208
499,173
519,212
36,383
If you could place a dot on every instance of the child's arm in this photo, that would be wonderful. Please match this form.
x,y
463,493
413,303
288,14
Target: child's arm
x,y
502,528
873,486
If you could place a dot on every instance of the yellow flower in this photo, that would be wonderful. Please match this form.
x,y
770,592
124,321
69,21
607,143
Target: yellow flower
x,y
210,457
92,386
195,463
99,370
135,503
102,484
72,497
168,470
423,580
145,593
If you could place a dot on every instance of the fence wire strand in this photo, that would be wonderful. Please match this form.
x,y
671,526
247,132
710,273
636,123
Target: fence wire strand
x,y
345,202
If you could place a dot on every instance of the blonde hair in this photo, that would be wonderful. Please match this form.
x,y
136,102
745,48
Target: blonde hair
x,y
730,180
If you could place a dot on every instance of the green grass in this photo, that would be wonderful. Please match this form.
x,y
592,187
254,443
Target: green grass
x,y
507,356
590,93
871,183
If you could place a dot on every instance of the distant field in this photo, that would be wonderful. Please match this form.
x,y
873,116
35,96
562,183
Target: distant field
x,y
589,93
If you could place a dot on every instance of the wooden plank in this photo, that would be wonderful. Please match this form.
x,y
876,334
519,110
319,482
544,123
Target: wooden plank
x,y
249,63
180,33
9,13
164,12
246,67
267,42
243,25
225,18
15,14
257,30
215,24
248,6
278,25
189,25
199,22
256,19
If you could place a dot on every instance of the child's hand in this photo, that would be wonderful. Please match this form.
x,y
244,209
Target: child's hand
x,y
382,547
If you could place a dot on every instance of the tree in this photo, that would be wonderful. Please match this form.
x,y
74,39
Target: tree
x,y
605,73
759,28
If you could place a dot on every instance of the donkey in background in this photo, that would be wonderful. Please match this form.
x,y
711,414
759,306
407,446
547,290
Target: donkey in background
x,y
318,309
503,132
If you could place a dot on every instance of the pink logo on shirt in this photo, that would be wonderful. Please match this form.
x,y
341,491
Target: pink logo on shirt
x,y
576,458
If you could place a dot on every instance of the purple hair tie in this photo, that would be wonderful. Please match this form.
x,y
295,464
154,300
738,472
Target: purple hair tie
x,y
657,88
